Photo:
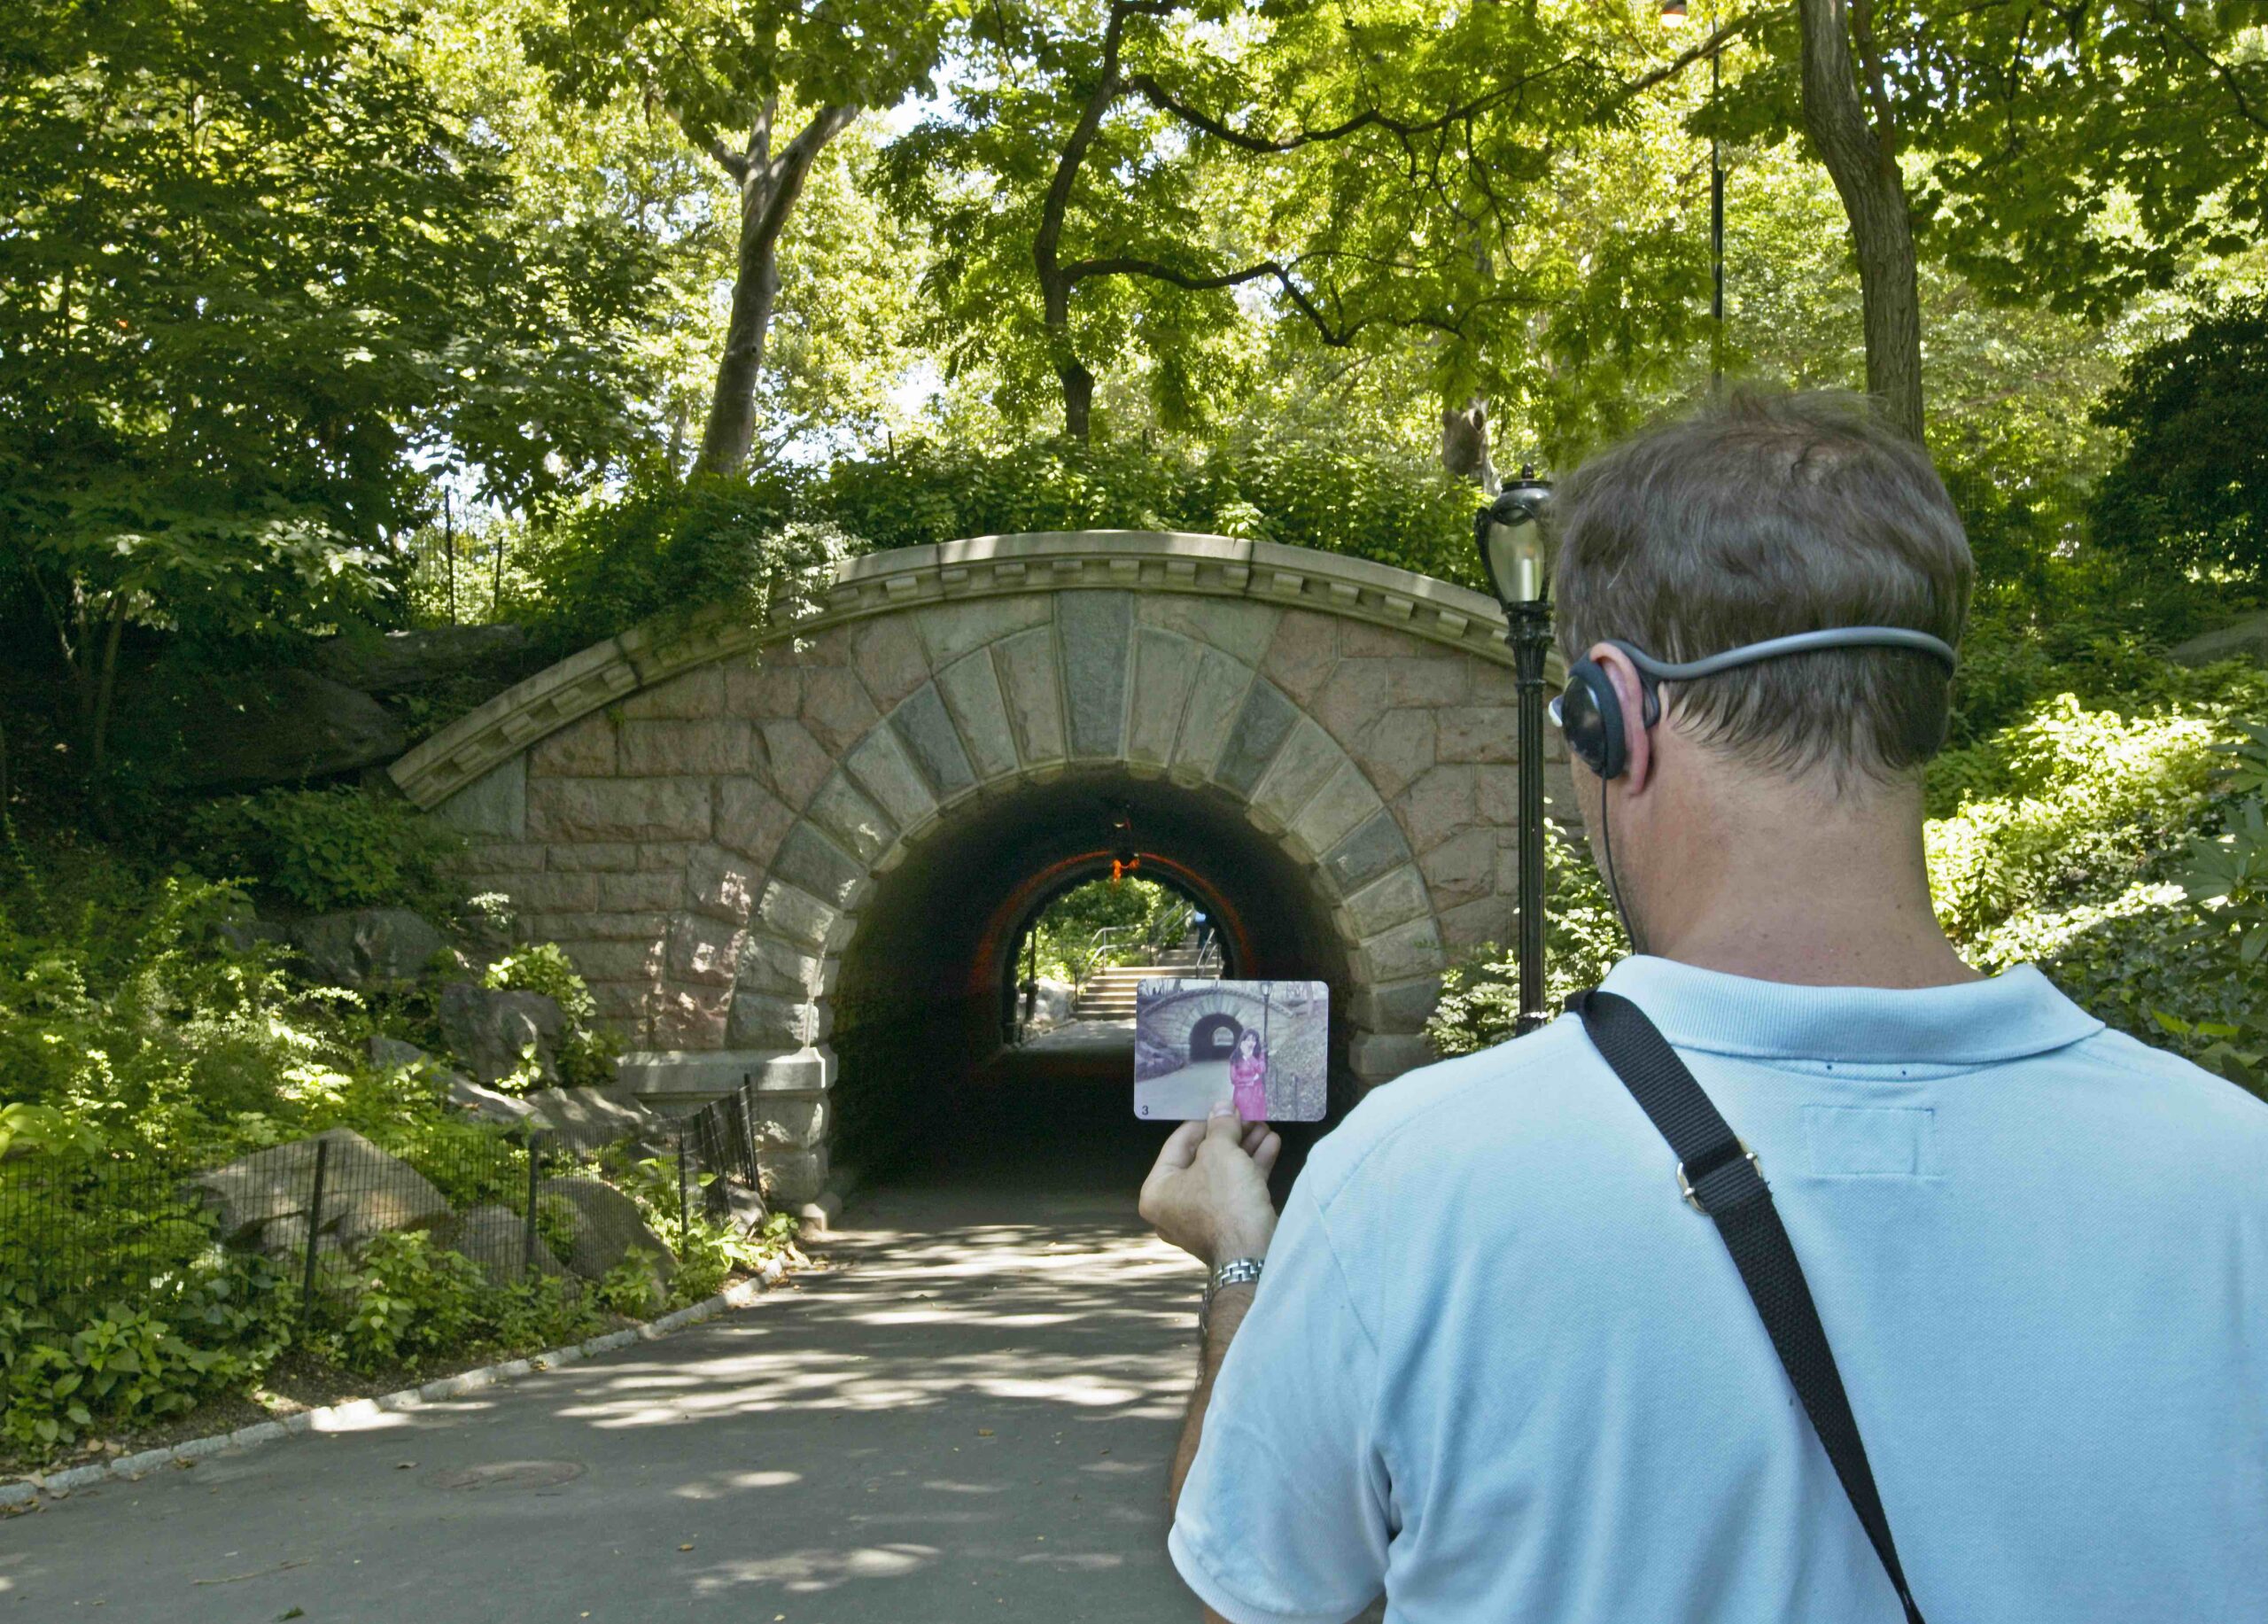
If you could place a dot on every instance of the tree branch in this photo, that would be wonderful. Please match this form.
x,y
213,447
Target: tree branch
x,y
1370,118
1701,50
2220,69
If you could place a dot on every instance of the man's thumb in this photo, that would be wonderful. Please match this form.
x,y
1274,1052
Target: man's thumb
x,y
1225,1123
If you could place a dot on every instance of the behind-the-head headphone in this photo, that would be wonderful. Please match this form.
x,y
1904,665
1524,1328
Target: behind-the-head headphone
x,y
1590,715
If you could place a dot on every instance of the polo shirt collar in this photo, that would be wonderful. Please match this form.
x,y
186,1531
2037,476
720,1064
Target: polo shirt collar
x,y
2004,1017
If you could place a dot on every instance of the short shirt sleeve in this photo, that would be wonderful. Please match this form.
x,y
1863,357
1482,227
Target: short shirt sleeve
x,y
1283,1516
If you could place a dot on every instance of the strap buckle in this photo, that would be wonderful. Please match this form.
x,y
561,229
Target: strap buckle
x,y
1685,1186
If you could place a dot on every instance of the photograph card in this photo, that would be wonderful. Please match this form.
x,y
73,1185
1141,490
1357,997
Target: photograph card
x,y
1263,1047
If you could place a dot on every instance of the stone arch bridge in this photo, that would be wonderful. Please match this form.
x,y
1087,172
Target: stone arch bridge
x,y
800,851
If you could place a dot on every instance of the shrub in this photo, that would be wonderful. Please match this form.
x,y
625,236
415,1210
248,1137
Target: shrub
x,y
2070,802
132,1018
211,1327
413,1300
320,850
586,1055
1337,495
666,548
1480,995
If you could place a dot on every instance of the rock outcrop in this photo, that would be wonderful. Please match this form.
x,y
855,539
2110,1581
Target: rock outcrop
x,y
493,1031
264,1198
606,1224
365,947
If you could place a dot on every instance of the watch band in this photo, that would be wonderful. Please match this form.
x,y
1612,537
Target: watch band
x,y
1236,1271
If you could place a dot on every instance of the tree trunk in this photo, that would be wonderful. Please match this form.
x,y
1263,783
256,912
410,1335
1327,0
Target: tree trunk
x,y
769,188
1862,158
1078,399
1464,444
1055,284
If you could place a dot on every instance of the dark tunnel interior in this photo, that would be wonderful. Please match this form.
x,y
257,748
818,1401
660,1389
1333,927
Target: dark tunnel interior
x,y
928,1085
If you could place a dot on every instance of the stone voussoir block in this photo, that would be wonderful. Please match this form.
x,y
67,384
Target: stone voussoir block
x,y
970,688
1095,631
796,762
1165,664
796,916
1331,813
851,818
925,729
1031,685
1216,699
881,766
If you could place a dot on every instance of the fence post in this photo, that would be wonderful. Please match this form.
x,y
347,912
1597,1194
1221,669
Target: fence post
x,y
684,1209
315,1225
527,1246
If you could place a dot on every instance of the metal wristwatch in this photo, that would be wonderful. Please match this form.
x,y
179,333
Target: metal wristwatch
x,y
1236,1271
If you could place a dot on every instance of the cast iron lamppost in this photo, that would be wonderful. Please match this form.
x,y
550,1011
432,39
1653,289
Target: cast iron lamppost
x,y
1516,556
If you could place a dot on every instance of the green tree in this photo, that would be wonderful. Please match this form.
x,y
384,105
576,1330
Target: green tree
x,y
256,286
760,88
2076,157
2192,483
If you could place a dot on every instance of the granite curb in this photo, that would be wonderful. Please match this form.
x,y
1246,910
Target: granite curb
x,y
47,1487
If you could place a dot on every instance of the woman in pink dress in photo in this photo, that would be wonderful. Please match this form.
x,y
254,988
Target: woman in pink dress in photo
x,y
1248,1077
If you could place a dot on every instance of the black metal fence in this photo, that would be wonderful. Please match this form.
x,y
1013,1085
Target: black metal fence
x,y
720,1137
75,1238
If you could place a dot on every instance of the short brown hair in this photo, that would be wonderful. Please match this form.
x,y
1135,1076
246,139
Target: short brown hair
x,y
1758,517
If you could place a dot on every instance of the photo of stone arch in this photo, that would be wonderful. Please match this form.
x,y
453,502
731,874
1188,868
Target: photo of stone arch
x,y
1263,1047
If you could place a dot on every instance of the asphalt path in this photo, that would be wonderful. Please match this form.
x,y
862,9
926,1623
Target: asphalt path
x,y
965,1415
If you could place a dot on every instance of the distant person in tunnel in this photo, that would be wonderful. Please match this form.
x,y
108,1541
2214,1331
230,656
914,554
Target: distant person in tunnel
x,y
1248,1078
1497,1368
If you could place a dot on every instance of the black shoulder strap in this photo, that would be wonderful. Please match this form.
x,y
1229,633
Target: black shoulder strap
x,y
1719,1177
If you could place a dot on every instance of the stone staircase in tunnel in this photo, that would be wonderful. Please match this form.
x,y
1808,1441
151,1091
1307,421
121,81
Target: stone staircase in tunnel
x,y
1108,995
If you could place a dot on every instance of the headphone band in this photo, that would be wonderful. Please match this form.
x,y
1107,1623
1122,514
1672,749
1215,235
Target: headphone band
x,y
1799,642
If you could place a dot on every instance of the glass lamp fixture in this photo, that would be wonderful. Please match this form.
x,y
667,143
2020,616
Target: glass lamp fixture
x,y
1515,554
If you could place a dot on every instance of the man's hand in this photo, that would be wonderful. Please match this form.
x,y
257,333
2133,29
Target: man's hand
x,y
1208,1192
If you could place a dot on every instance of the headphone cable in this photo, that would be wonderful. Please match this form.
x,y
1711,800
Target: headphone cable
x,y
1614,886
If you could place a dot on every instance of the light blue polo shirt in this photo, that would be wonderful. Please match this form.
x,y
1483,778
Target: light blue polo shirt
x,y
1498,1369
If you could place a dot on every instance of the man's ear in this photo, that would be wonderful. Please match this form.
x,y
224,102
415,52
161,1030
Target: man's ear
x,y
1637,738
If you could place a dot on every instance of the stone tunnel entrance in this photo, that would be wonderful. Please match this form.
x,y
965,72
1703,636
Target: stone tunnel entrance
x,y
929,1080
800,854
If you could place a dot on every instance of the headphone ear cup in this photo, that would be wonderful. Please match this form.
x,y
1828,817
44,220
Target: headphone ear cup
x,y
1590,717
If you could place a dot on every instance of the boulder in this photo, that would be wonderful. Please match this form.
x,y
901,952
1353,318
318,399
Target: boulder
x,y
490,1030
486,1104
245,933
365,1192
245,729
1050,1004
496,1240
2239,640
395,661
365,946
482,1104
740,1204
392,1052
584,1119
605,1224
